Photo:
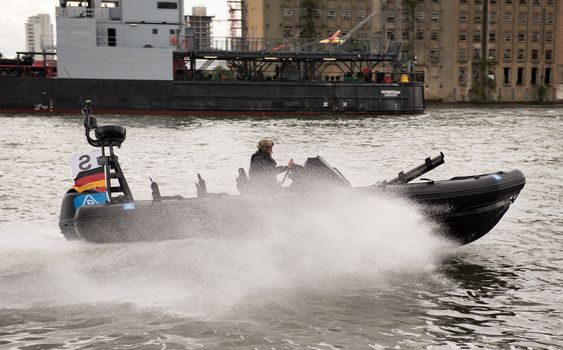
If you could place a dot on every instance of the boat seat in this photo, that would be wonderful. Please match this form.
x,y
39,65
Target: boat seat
x,y
110,135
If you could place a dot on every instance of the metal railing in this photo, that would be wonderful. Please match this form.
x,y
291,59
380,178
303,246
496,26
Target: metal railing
x,y
289,45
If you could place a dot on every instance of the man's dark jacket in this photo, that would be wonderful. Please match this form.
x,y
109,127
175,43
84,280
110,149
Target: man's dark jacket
x,y
263,171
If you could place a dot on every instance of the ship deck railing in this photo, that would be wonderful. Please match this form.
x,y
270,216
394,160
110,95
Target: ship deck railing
x,y
294,48
265,49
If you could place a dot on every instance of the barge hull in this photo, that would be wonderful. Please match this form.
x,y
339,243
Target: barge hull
x,y
130,95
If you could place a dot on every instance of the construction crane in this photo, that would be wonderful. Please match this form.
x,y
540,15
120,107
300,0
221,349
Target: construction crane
x,y
336,39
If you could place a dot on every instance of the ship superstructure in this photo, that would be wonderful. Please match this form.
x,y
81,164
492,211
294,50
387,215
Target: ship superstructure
x,y
126,39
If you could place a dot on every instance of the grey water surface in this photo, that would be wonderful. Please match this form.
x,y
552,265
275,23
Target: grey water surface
x,y
363,275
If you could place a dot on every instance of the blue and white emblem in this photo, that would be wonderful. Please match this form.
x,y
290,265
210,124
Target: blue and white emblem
x,y
90,199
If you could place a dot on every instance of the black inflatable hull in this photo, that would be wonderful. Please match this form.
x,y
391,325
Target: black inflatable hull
x,y
464,209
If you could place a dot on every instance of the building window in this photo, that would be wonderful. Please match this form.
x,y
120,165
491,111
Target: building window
x,y
287,32
172,31
522,2
419,34
476,73
536,36
492,36
462,36
507,56
420,16
317,13
534,76
508,2
155,31
477,37
405,16
434,35
520,76
547,76
548,55
461,77
476,53
521,37
462,54
550,2
435,16
434,56
506,76
536,18
492,54
522,18
536,2
521,55
405,35
390,16
477,17
166,5
493,17
112,37
287,12
361,14
508,17
549,37
391,35
549,19
463,17
331,14
535,54
507,36
346,14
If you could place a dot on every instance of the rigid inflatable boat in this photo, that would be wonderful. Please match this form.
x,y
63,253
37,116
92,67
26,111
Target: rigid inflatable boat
x,y
100,207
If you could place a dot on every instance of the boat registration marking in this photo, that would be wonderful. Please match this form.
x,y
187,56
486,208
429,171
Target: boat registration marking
x,y
129,206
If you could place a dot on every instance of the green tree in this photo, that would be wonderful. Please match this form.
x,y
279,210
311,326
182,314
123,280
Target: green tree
x,y
308,18
410,7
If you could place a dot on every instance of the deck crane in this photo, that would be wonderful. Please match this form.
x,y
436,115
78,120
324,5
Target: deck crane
x,y
336,39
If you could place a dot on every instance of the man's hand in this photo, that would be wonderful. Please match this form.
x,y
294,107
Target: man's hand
x,y
290,164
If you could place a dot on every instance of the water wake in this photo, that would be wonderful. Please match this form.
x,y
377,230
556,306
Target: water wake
x,y
318,243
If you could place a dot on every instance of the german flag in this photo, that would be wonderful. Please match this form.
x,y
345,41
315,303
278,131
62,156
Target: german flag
x,y
93,179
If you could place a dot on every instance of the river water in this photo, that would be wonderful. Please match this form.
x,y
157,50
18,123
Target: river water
x,y
368,275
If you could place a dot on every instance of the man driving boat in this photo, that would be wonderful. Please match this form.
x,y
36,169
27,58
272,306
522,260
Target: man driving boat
x,y
264,169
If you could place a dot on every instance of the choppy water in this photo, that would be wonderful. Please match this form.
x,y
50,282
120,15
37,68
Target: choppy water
x,y
371,277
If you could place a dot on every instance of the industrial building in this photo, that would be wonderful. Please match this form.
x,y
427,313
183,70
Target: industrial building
x,y
442,41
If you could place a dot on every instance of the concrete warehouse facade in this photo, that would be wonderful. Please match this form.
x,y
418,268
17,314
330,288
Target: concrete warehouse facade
x,y
501,50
